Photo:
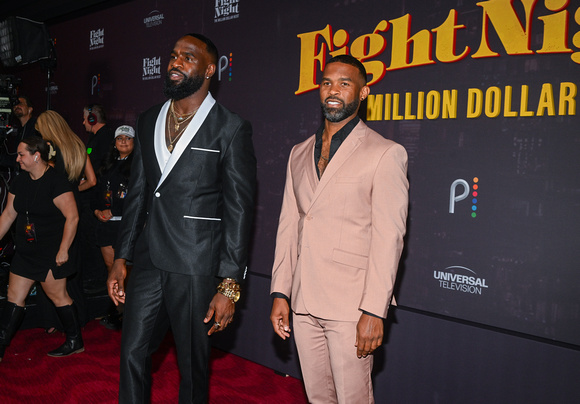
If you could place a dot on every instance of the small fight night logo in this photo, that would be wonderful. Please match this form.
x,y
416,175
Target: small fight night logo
x,y
226,10
460,279
97,39
152,68
454,197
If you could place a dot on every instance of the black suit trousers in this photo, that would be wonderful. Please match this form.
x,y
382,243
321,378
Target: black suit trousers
x,y
156,300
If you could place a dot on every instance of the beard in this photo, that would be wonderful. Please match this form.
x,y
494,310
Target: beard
x,y
339,114
18,113
187,87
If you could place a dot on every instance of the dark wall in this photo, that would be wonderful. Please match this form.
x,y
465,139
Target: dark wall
x,y
489,284
426,359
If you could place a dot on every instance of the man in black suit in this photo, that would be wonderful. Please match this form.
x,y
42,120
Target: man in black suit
x,y
186,225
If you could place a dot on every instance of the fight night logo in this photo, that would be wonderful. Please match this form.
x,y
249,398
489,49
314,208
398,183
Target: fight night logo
x,y
460,279
460,190
407,48
226,10
152,68
97,39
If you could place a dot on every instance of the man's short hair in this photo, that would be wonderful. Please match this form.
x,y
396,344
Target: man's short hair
x,y
98,111
350,60
211,48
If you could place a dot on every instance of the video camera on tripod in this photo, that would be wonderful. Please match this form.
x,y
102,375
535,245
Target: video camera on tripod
x,y
8,99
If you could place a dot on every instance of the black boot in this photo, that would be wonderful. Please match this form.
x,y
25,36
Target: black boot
x,y
10,320
72,329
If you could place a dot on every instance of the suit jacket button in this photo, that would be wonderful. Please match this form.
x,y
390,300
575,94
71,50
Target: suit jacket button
x,y
157,194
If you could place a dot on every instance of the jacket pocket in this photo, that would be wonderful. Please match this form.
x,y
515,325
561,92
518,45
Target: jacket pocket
x,y
350,259
348,180
202,223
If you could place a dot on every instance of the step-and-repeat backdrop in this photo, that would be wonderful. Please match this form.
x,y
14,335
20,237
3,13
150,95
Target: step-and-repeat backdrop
x,y
483,95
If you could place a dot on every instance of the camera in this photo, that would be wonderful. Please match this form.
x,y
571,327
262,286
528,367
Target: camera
x,y
8,99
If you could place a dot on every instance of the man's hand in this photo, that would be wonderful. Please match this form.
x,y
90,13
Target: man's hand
x,y
369,335
280,317
222,309
116,281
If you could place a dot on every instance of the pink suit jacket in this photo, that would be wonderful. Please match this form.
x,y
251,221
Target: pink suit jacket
x,y
340,238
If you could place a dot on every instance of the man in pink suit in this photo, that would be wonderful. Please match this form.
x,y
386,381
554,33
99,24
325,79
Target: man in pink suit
x,y
339,241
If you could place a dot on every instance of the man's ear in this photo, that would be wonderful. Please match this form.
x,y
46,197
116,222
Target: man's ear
x,y
210,71
364,93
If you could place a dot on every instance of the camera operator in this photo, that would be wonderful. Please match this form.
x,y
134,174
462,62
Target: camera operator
x,y
23,112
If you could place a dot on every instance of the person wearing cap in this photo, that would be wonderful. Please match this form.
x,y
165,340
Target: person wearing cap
x,y
111,190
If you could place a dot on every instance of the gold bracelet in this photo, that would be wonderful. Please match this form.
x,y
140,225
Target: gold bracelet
x,y
230,289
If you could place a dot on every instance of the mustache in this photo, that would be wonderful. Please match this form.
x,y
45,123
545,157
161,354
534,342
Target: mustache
x,y
333,99
175,70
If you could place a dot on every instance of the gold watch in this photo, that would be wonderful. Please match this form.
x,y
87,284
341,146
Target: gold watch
x,y
230,289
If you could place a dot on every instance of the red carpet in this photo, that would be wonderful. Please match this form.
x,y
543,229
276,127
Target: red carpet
x,y
28,375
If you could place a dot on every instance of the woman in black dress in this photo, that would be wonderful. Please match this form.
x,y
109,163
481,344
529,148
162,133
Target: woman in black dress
x,y
42,203
70,159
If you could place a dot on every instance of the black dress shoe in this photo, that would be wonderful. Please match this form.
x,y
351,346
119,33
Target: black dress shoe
x,y
112,321
71,346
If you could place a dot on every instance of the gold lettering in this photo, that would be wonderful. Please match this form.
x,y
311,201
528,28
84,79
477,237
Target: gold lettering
x,y
568,92
408,103
421,105
401,43
474,102
501,14
555,28
445,45
546,101
492,102
524,102
433,104
507,103
576,39
309,57
388,104
396,115
449,104
374,107
369,46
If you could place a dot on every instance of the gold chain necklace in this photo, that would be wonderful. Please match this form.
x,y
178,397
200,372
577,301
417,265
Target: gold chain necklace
x,y
177,121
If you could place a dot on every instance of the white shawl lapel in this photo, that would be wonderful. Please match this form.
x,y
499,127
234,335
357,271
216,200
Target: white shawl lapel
x,y
168,160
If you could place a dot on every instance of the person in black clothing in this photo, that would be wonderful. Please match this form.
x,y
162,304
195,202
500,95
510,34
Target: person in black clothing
x,y
23,112
101,136
8,170
43,205
110,193
71,160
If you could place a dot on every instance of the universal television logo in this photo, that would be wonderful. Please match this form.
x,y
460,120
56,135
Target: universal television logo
x,y
154,19
460,279
466,189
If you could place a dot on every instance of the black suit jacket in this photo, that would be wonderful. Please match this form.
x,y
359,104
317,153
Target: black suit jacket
x,y
198,220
